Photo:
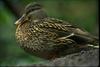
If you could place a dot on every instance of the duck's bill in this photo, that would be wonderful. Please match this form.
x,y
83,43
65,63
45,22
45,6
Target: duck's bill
x,y
22,19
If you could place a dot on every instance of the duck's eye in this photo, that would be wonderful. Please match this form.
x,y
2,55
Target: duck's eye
x,y
29,18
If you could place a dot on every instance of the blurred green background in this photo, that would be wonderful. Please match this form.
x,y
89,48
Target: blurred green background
x,y
83,13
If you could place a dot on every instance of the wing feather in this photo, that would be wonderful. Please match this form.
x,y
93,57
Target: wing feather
x,y
57,24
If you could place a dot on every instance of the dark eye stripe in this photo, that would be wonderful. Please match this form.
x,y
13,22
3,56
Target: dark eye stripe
x,y
33,9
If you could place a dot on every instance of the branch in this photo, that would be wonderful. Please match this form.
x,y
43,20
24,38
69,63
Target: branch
x,y
84,58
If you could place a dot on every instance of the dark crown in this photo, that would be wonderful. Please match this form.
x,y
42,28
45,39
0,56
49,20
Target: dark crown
x,y
32,7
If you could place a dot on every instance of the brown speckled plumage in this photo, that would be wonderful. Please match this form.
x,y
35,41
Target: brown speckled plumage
x,y
48,37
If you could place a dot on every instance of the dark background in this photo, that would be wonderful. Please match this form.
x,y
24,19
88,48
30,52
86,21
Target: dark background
x,y
83,13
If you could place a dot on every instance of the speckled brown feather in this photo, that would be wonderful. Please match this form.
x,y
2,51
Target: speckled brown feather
x,y
49,38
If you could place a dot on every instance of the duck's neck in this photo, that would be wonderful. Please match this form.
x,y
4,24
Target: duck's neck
x,y
38,15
